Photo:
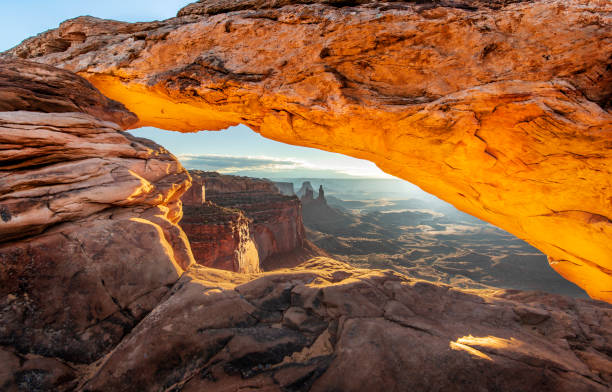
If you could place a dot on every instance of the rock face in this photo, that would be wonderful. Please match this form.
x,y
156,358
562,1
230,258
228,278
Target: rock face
x,y
498,107
219,186
305,189
35,87
318,215
221,237
277,219
326,326
321,195
99,292
89,241
254,219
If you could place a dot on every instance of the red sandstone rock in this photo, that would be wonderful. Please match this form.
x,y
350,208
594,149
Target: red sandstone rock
x,y
219,184
498,107
220,237
90,247
274,224
325,326
88,237
91,297
34,87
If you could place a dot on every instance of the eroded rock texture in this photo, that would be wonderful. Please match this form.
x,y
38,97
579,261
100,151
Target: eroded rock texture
x,y
243,224
99,292
220,237
498,107
277,219
325,326
89,241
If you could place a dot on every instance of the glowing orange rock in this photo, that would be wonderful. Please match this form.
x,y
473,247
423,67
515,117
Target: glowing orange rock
x,y
502,111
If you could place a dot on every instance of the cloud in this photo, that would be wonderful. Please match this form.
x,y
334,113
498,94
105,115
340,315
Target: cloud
x,y
278,167
232,164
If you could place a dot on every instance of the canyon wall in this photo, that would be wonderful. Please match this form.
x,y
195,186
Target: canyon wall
x,y
501,108
99,290
277,219
89,241
221,237
251,211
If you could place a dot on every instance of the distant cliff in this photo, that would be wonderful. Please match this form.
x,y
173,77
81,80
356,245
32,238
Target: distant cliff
x,y
306,187
286,188
243,224
220,237
318,215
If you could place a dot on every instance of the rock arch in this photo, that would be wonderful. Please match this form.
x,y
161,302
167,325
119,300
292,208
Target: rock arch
x,y
500,109
99,289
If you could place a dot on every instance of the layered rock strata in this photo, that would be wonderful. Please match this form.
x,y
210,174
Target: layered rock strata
x,y
89,241
498,107
99,292
273,223
221,237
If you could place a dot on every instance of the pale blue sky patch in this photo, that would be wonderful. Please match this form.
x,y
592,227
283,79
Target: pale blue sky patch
x,y
239,150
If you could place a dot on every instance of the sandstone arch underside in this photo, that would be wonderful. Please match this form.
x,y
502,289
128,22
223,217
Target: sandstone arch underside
x,y
500,109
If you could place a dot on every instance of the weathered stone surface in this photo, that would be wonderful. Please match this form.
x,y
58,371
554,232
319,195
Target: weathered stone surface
x,y
276,219
34,373
34,87
326,326
89,241
245,225
213,7
220,237
219,185
99,290
497,107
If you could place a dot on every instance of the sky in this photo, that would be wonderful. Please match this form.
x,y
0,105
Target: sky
x,y
240,151
237,151
25,18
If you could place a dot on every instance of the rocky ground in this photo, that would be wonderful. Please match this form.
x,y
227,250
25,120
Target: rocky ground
x,y
99,289
327,326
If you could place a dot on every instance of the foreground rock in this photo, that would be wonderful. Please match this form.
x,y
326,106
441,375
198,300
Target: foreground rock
x,y
326,326
89,241
498,107
99,291
243,224
35,87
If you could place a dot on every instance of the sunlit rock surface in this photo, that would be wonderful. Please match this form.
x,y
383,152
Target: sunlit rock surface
x,y
89,241
243,224
99,292
501,108
325,326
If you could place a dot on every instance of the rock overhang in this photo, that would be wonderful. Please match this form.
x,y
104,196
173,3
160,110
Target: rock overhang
x,y
500,108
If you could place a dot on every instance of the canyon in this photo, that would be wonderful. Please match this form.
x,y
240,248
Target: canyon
x,y
384,224
500,107
243,224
